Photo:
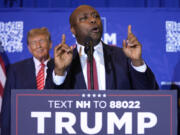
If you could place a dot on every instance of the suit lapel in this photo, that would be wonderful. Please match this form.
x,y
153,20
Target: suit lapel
x,y
31,74
77,73
50,68
108,67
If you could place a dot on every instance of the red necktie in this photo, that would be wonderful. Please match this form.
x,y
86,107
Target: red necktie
x,y
95,78
40,78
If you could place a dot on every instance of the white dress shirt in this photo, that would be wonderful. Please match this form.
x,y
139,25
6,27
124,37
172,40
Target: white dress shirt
x,y
100,66
99,58
37,64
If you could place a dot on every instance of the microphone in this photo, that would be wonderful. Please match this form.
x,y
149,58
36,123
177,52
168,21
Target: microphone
x,y
89,49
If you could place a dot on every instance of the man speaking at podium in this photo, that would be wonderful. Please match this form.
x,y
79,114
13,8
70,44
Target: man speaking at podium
x,y
95,65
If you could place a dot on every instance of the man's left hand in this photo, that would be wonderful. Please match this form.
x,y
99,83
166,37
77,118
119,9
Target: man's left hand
x,y
132,48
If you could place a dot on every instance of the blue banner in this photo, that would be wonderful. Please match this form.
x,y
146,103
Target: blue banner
x,y
93,112
158,30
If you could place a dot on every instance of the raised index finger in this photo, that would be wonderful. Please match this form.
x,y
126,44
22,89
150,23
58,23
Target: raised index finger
x,y
63,41
129,29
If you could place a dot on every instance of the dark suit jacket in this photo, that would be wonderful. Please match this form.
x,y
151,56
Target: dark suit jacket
x,y
21,75
118,72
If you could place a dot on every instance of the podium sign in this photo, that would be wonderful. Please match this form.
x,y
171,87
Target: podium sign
x,y
87,112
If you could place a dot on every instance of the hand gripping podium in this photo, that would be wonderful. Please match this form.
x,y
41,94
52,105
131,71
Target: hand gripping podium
x,y
89,112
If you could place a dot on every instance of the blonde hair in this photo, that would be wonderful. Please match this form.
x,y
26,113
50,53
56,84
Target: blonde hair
x,y
38,31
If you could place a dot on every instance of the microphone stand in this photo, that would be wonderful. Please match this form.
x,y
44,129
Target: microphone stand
x,y
89,49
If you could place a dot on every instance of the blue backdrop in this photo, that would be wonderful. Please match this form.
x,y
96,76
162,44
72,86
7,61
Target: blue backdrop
x,y
157,29
94,3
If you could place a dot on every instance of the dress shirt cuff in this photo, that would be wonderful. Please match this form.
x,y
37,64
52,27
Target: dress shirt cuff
x,y
58,80
141,69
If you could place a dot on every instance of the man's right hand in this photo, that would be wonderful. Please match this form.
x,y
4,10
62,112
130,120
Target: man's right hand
x,y
63,55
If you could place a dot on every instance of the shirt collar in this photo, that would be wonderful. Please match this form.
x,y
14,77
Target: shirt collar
x,y
38,63
97,49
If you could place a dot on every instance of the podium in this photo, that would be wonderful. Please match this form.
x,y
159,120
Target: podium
x,y
87,112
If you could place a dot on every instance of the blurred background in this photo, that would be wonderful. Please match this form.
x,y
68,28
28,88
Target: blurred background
x,y
95,3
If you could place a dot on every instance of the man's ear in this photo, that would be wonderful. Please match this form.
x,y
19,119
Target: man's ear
x,y
73,31
29,48
50,45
